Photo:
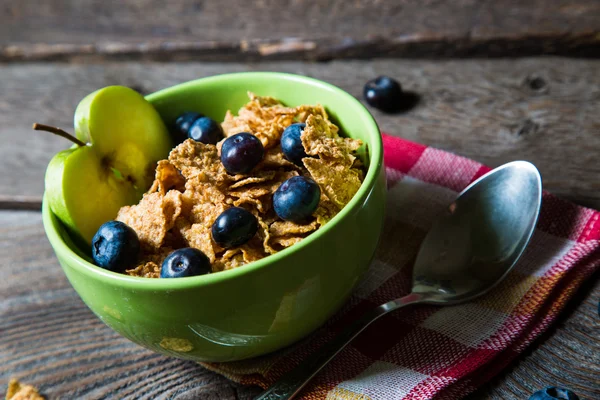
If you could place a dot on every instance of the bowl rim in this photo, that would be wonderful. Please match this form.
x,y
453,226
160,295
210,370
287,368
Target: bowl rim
x,y
375,147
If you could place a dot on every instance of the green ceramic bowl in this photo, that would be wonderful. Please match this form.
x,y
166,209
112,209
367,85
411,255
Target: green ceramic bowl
x,y
265,305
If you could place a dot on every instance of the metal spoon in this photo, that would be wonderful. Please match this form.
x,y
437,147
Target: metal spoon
x,y
466,253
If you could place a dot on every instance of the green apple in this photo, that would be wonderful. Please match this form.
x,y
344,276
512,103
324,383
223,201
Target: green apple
x,y
120,137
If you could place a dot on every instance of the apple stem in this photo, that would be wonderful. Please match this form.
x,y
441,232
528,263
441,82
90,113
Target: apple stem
x,y
59,132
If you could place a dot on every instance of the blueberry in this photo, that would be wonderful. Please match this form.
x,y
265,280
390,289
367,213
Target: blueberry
x,y
384,93
241,152
234,227
185,262
183,124
205,130
291,144
551,393
296,199
115,246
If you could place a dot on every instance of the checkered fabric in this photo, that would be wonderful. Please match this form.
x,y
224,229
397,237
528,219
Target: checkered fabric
x,y
425,352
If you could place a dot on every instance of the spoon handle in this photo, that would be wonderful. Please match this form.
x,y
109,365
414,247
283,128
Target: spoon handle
x,y
289,385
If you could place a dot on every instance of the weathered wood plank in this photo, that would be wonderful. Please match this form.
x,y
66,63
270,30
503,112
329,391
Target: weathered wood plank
x,y
52,340
544,110
305,29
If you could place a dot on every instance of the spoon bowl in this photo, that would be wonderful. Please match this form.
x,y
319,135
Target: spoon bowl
x,y
469,250
479,239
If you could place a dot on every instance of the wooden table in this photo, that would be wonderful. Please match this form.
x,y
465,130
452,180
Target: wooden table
x,y
545,109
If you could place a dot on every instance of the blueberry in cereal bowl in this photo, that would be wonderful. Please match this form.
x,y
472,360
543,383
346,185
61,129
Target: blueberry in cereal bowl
x,y
265,270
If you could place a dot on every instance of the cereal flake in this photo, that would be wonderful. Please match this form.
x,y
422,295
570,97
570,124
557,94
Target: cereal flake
x,y
18,391
338,182
152,217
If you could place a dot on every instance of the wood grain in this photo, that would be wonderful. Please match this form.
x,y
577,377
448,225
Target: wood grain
x,y
295,29
52,340
544,110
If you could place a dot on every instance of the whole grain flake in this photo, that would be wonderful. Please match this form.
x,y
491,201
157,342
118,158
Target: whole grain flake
x,y
19,391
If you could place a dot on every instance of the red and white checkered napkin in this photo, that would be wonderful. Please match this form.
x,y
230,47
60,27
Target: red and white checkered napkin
x,y
443,352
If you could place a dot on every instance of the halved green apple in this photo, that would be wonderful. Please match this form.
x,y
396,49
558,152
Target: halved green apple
x,y
125,137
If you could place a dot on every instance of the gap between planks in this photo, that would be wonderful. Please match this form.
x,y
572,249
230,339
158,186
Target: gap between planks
x,y
20,203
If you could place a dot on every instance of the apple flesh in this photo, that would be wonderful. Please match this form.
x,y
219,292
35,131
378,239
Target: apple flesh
x,y
87,185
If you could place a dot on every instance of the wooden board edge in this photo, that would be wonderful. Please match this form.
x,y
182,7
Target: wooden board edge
x,y
585,45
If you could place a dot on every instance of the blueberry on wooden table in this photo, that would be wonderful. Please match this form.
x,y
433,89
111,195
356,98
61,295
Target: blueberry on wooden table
x,y
241,152
552,393
291,143
296,199
115,246
234,227
384,93
185,262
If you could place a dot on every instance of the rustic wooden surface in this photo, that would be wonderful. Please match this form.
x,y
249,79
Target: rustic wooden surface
x,y
295,29
49,338
541,109
544,110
